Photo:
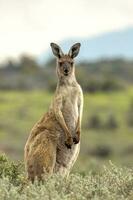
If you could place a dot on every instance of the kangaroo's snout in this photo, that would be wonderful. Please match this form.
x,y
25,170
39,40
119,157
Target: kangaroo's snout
x,y
66,69
66,72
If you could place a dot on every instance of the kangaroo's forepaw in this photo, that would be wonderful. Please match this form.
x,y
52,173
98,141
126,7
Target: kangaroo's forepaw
x,y
69,143
76,139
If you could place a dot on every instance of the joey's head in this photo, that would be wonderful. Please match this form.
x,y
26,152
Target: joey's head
x,y
65,62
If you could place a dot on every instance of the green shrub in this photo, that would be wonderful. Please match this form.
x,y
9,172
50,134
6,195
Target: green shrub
x,y
111,122
130,114
101,151
94,122
110,183
13,171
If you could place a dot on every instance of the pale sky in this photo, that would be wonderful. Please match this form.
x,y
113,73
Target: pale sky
x,y
28,26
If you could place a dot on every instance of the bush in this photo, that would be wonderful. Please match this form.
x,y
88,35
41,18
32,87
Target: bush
x,y
94,122
13,171
111,122
102,151
110,183
130,114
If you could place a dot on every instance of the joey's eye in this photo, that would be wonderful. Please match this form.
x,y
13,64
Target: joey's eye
x,y
71,63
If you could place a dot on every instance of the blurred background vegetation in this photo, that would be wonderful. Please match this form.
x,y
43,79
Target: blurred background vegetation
x,y
27,88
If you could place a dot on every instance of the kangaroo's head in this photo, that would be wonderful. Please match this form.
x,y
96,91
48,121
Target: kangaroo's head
x,y
65,62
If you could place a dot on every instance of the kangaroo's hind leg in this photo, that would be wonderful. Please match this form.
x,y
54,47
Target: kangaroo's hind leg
x,y
41,158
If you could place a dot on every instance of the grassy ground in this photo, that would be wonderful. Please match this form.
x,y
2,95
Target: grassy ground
x,y
110,183
20,110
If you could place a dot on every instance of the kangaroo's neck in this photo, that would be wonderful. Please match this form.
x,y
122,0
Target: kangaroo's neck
x,y
67,80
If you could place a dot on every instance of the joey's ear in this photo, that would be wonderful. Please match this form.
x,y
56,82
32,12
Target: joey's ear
x,y
74,50
56,50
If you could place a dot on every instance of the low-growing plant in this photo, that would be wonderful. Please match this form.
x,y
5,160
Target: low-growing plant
x,y
13,171
94,122
101,151
130,114
111,122
110,183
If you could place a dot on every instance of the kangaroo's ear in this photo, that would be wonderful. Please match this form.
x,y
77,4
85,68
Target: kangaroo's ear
x,y
74,50
56,50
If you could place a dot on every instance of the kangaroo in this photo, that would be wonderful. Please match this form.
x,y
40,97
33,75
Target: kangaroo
x,y
54,142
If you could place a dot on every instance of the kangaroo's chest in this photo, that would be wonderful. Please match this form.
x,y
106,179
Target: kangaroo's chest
x,y
70,107
70,99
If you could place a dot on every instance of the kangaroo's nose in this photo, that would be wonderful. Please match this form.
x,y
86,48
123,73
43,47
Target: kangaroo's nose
x,y
65,70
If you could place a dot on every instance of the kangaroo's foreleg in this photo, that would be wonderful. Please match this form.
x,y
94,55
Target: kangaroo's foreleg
x,y
60,119
76,138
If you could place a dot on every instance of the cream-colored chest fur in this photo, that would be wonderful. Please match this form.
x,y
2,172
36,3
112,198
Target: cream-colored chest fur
x,y
70,96
65,157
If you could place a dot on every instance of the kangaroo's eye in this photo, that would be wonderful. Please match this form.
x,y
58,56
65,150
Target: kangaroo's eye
x,y
60,63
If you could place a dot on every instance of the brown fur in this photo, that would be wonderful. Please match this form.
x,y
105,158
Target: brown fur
x,y
54,142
